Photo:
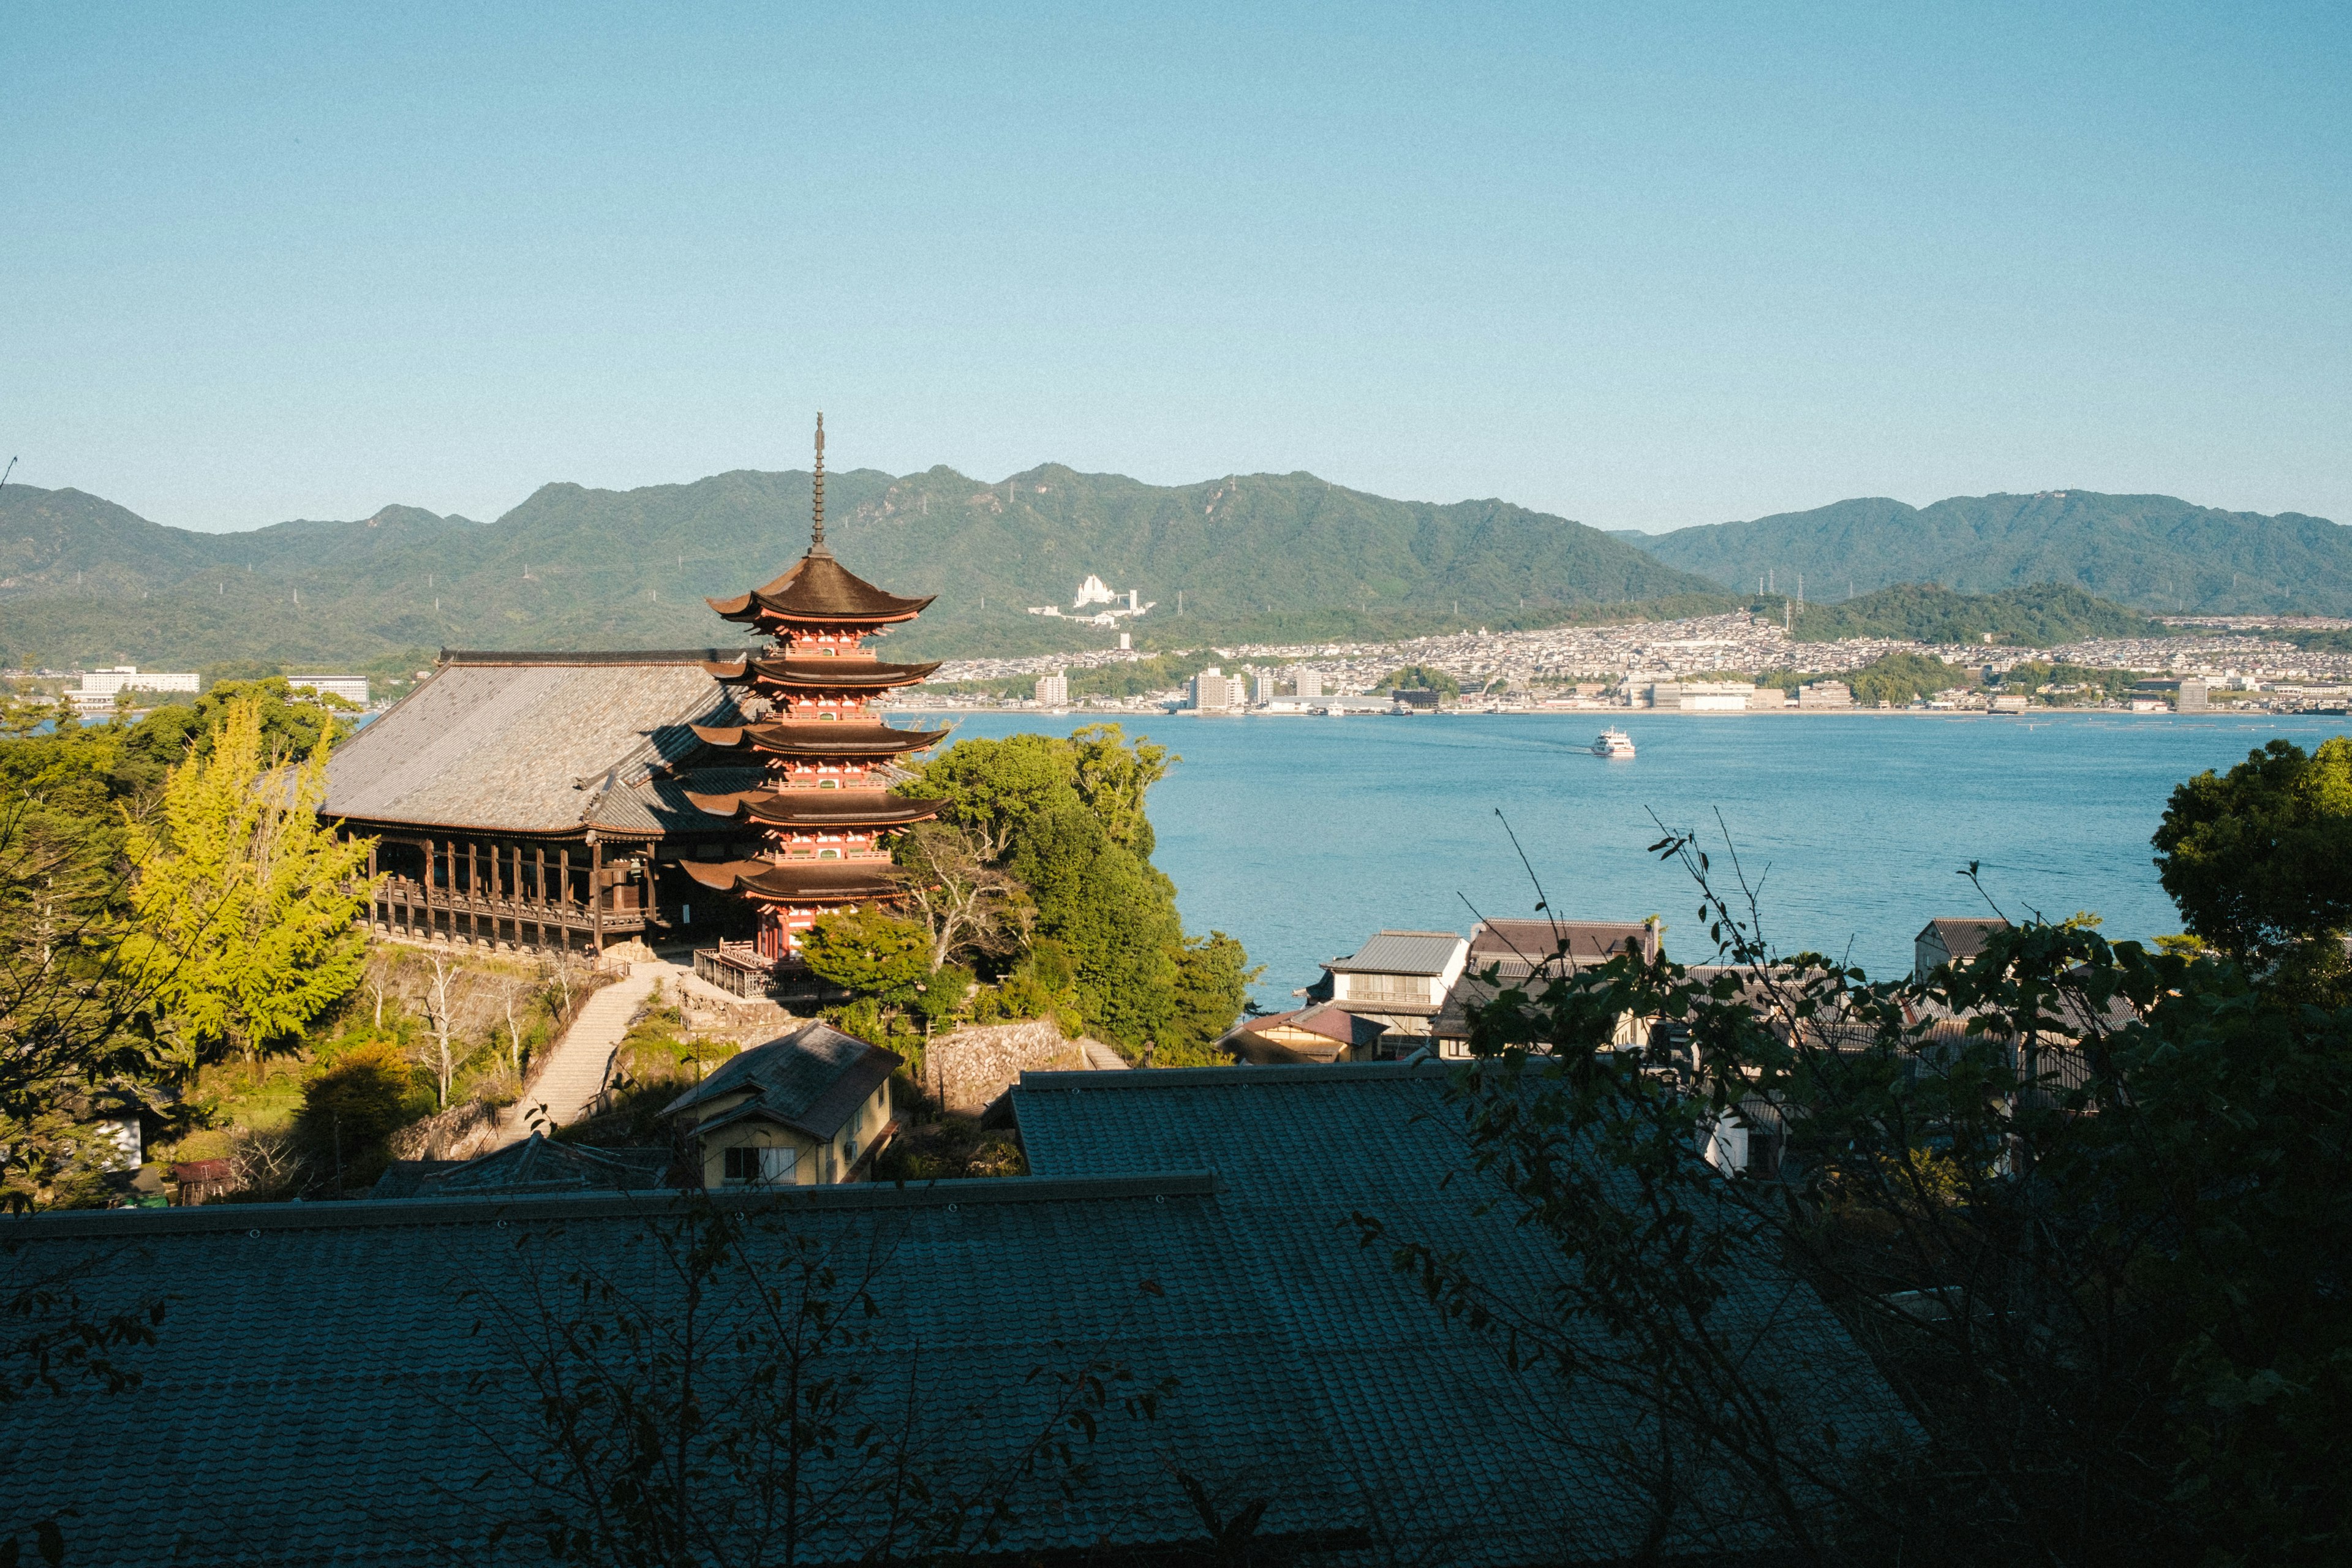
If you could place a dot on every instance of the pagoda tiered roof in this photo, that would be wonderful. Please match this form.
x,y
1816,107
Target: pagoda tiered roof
x,y
820,740
818,674
821,590
789,881
817,808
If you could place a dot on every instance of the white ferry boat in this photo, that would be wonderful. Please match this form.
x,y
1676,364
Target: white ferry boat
x,y
1613,743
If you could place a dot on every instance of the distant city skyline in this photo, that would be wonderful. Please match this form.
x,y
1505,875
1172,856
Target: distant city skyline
x,y
1645,271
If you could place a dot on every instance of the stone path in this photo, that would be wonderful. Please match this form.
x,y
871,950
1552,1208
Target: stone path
x,y
582,1059
1101,1057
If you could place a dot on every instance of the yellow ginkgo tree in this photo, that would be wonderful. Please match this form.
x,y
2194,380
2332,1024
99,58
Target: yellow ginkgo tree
x,y
246,899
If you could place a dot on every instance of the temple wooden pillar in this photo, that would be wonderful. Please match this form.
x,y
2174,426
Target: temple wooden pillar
x,y
596,895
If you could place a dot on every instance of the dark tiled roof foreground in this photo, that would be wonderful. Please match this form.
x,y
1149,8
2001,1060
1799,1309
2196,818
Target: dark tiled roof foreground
x,y
311,1388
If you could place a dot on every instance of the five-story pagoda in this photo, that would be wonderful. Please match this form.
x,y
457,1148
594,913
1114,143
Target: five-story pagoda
x,y
824,808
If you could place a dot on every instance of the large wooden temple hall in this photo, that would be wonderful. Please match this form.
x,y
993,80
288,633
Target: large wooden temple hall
x,y
565,802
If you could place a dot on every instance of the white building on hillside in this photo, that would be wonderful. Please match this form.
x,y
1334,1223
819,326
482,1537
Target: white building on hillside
x,y
1054,691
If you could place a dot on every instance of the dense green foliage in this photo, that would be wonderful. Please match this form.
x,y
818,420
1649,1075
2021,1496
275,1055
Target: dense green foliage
x,y
869,952
246,900
1899,678
1065,820
2069,683
2094,1239
2153,552
1420,676
1280,556
2259,859
88,999
2037,616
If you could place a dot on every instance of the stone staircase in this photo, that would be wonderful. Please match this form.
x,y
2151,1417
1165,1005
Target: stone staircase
x,y
582,1059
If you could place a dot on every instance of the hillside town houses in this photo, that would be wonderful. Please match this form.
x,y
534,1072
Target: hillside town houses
x,y
1620,666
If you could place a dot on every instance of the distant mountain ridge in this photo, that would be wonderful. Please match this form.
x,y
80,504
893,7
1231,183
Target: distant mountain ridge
x,y
84,581
2155,553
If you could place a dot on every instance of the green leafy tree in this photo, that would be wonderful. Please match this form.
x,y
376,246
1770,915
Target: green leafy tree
x,y
1423,677
1112,775
2259,859
246,899
67,1005
938,997
993,787
1213,980
1067,820
1899,677
1114,912
870,951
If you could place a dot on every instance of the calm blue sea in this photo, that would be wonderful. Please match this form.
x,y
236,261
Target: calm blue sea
x,y
1302,836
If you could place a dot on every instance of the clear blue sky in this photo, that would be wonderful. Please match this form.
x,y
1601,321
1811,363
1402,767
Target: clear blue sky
x,y
1644,266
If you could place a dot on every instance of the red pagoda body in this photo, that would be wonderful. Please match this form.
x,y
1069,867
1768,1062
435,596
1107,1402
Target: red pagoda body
x,y
825,809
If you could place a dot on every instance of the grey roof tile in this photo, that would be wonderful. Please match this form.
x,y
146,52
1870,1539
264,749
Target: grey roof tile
x,y
1402,953
524,743
814,1078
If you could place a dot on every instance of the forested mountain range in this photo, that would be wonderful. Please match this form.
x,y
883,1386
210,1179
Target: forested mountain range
x,y
83,581
2154,551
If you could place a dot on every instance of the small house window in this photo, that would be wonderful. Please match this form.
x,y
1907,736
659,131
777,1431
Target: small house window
x,y
758,1167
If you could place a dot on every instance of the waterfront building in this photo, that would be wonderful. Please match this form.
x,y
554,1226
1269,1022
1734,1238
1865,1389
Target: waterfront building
x,y
1214,692
1306,682
824,758
131,677
352,688
1054,691
1712,696
1825,694
1955,942
1262,686
1395,983
101,687
1527,955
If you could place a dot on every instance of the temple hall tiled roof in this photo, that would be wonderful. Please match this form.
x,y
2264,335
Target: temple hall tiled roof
x,y
526,742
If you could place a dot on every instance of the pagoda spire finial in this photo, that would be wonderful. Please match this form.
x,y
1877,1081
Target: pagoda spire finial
x,y
816,534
